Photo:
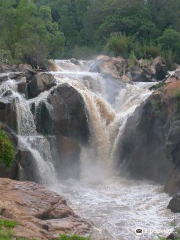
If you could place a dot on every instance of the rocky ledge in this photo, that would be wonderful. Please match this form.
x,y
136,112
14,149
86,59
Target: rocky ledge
x,y
40,213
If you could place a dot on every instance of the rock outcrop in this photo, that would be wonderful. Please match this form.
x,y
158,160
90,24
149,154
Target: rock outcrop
x,y
124,70
174,204
40,82
113,67
149,148
64,113
40,213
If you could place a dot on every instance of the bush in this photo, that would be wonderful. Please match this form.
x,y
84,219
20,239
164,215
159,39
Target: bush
x,y
5,57
7,153
150,51
121,45
73,237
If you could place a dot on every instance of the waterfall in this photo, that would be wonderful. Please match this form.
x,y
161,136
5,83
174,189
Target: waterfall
x,y
108,105
27,135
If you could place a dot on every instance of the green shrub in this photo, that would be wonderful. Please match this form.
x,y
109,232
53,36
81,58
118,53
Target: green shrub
x,y
121,45
5,57
7,153
73,237
148,51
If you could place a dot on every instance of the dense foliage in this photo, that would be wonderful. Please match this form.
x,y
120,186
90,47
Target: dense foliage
x,y
35,30
7,152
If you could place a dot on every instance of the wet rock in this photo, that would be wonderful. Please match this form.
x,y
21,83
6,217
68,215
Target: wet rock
x,y
40,213
6,172
159,67
74,61
150,148
66,155
64,114
174,204
40,83
8,112
142,75
111,66
22,86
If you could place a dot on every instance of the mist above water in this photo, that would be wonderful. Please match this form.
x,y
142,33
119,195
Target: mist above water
x,y
115,205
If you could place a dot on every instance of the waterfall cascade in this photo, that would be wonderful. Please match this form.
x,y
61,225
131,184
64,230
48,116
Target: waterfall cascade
x,y
117,206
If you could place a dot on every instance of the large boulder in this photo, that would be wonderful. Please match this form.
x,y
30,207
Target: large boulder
x,y
8,111
113,67
174,204
159,68
40,83
149,148
40,213
64,113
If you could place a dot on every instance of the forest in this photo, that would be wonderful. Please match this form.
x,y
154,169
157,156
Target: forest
x,y
31,31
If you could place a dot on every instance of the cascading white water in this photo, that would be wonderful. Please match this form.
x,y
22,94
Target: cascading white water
x,y
27,135
116,206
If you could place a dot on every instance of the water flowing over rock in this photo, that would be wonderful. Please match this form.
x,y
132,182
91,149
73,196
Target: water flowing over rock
x,y
40,213
149,148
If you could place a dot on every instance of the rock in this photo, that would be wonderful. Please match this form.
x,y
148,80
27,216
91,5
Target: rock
x,y
22,86
8,111
160,68
74,61
6,172
40,83
50,65
141,75
25,67
174,204
4,68
66,155
150,148
64,114
40,213
109,66
171,236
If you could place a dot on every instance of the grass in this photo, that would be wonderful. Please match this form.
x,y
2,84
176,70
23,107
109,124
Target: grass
x,y
73,237
6,232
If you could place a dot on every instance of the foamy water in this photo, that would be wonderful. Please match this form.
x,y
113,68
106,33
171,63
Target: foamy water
x,y
118,206
115,206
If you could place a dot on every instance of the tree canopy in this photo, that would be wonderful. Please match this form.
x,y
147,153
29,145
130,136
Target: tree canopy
x,y
32,30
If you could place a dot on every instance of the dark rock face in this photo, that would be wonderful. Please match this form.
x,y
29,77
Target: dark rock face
x,y
6,172
64,114
174,204
8,112
160,68
40,83
150,145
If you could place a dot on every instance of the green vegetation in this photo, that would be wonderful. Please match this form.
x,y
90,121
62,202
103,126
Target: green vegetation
x,y
32,31
157,105
73,237
6,229
7,153
160,86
